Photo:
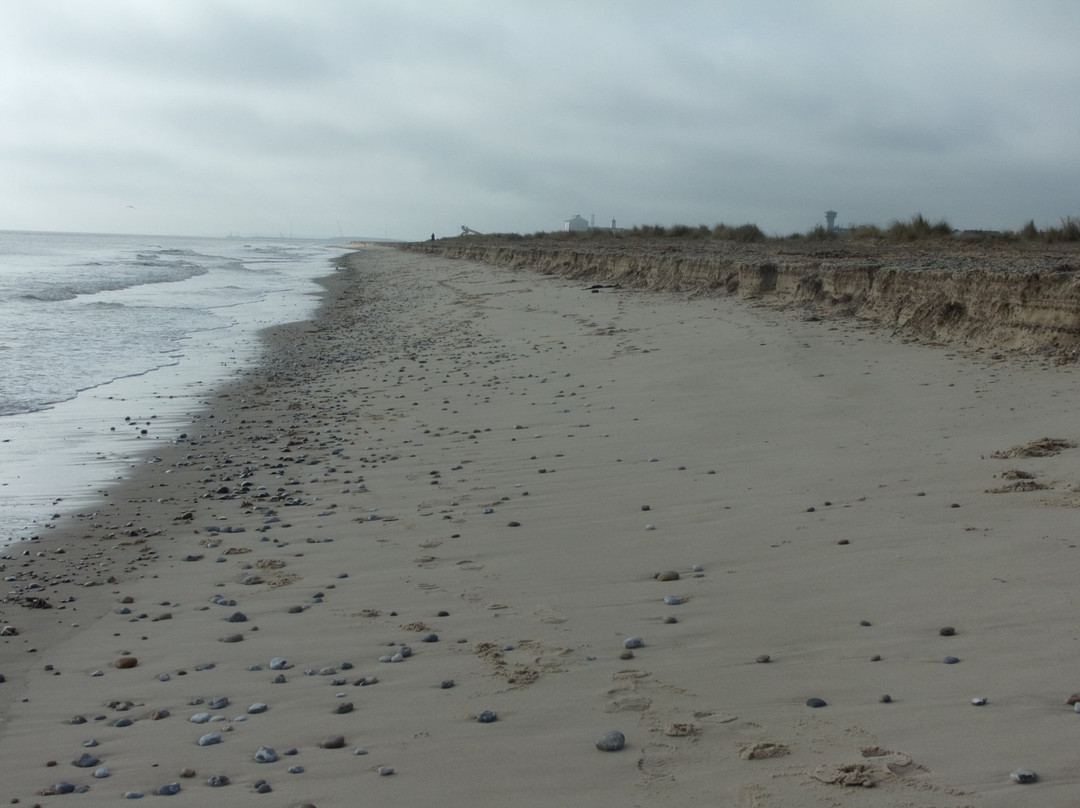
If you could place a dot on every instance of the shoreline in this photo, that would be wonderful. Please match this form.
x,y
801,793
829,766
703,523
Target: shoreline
x,y
810,468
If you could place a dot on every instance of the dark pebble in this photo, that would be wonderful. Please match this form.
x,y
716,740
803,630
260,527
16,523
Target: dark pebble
x,y
487,717
430,638
447,684
951,660
217,780
886,699
611,741
815,702
344,707
865,623
332,742
236,617
168,790
85,761
946,631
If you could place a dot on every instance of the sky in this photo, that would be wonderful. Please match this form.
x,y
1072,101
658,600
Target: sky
x,y
403,118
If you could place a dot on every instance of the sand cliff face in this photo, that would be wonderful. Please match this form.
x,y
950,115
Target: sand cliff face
x,y
1004,296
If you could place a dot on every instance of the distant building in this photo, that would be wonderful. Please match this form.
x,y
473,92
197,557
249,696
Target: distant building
x,y
576,224
830,220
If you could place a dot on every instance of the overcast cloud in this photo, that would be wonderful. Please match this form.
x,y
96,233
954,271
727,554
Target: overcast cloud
x,y
399,118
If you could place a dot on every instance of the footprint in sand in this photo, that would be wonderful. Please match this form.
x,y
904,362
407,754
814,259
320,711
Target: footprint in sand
x,y
657,762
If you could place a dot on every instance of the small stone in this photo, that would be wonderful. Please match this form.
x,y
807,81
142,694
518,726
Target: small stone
x,y
764,658
885,699
199,718
217,780
946,631
187,774
157,715
1024,776
236,617
670,620
219,703
633,642
1076,707
344,708
85,761
296,770
447,684
266,754
626,655
232,638
667,575
332,742
258,707
487,717
611,741
979,701
168,790
1073,699
279,664
675,600
210,738
815,702
101,773
865,623
385,771
951,660
133,795
126,662
876,658
430,638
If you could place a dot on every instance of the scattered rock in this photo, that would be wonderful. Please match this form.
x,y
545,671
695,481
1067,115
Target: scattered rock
x,y
611,741
1023,776
815,702
332,742
126,662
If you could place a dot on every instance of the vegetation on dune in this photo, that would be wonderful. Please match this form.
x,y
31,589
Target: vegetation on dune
x,y
916,228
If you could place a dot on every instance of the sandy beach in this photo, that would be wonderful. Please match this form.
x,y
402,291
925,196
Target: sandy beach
x,y
492,479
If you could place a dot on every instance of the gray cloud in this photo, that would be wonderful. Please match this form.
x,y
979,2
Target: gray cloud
x,y
236,115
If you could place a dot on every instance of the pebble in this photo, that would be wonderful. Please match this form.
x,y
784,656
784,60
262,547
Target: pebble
x,y
168,790
946,631
670,620
979,701
258,707
1073,699
220,703
126,662
633,642
101,773
611,741
430,638
1076,707
217,780
815,702
951,660
764,658
279,664
296,770
210,738
133,795
447,684
266,754
199,718
332,742
386,771
487,717
667,575
1024,776
85,761
885,699
344,708
675,600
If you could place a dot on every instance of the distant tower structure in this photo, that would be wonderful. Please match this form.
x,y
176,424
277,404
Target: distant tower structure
x,y
613,224
830,220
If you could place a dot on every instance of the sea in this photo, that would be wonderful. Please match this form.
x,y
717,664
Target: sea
x,y
109,344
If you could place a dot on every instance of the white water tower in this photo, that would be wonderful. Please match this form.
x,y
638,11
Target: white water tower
x,y
830,220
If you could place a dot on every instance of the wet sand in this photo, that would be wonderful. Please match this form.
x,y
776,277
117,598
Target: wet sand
x,y
506,461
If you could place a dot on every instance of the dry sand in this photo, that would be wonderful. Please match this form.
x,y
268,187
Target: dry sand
x,y
452,437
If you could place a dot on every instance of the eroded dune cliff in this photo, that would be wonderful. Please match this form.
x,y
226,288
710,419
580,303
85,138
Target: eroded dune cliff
x,y
1009,295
